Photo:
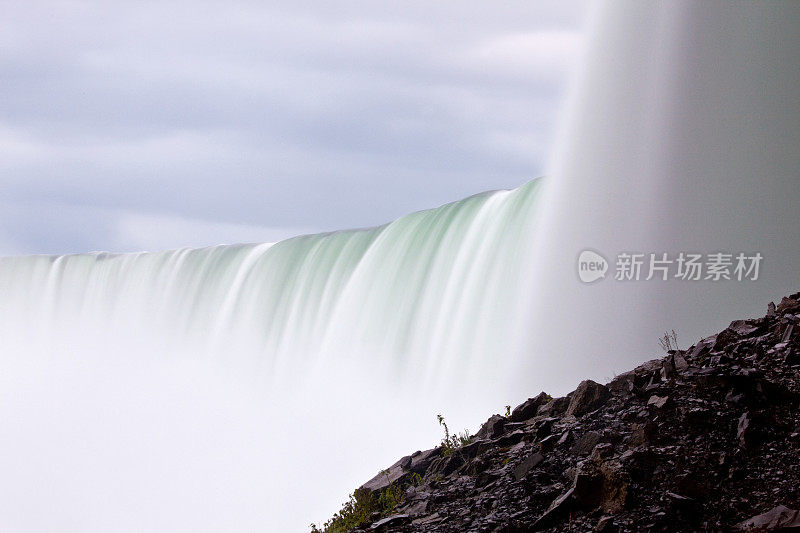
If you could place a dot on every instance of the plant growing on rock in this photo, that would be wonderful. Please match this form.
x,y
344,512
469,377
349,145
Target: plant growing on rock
x,y
361,507
450,443
669,342
354,513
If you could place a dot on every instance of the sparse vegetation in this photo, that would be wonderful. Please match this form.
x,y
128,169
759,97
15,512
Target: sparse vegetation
x,y
669,342
363,505
508,411
450,443
359,509
354,513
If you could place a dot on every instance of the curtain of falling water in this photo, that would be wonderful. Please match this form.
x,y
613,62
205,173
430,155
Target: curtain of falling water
x,y
279,375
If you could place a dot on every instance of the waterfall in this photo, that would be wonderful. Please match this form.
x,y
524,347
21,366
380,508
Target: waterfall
x,y
680,136
430,291
338,339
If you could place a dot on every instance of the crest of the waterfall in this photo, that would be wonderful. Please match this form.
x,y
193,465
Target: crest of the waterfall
x,y
298,350
435,301
681,136
432,297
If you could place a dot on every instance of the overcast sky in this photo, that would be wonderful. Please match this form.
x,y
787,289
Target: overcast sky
x,y
152,125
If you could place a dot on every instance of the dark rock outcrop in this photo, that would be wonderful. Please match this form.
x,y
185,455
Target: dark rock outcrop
x,y
530,408
703,439
587,397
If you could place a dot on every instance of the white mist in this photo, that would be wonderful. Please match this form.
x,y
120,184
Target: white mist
x,y
252,387
682,134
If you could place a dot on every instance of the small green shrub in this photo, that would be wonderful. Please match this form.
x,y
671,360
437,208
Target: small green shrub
x,y
450,443
390,498
363,503
354,513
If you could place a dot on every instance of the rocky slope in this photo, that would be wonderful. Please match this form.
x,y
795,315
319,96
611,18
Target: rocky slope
x,y
704,439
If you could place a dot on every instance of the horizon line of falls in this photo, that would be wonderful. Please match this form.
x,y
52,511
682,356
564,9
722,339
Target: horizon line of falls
x,y
287,373
434,293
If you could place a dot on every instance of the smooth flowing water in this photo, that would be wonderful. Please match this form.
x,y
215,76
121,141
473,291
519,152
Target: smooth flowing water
x,y
681,136
337,340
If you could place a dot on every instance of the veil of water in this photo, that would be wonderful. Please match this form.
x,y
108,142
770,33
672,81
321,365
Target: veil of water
x,y
681,136
338,340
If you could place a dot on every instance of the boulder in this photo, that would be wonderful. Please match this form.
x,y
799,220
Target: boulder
x,y
642,433
544,427
744,328
602,451
680,362
588,485
416,463
554,407
428,520
658,402
522,469
416,508
615,487
564,438
725,338
702,348
510,439
393,521
639,463
777,518
771,309
600,485
529,408
473,449
557,509
678,503
586,443
622,384
548,443
787,305
446,465
587,397
492,428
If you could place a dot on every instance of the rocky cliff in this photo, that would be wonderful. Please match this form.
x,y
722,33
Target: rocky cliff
x,y
703,439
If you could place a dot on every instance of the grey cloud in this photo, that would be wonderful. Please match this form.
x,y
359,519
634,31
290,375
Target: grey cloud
x,y
274,114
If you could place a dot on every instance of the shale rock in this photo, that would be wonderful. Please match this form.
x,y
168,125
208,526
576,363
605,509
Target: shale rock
x,y
587,397
778,518
529,408
703,439
492,428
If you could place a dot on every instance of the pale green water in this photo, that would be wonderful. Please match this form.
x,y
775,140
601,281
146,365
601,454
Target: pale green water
x,y
433,292
252,387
